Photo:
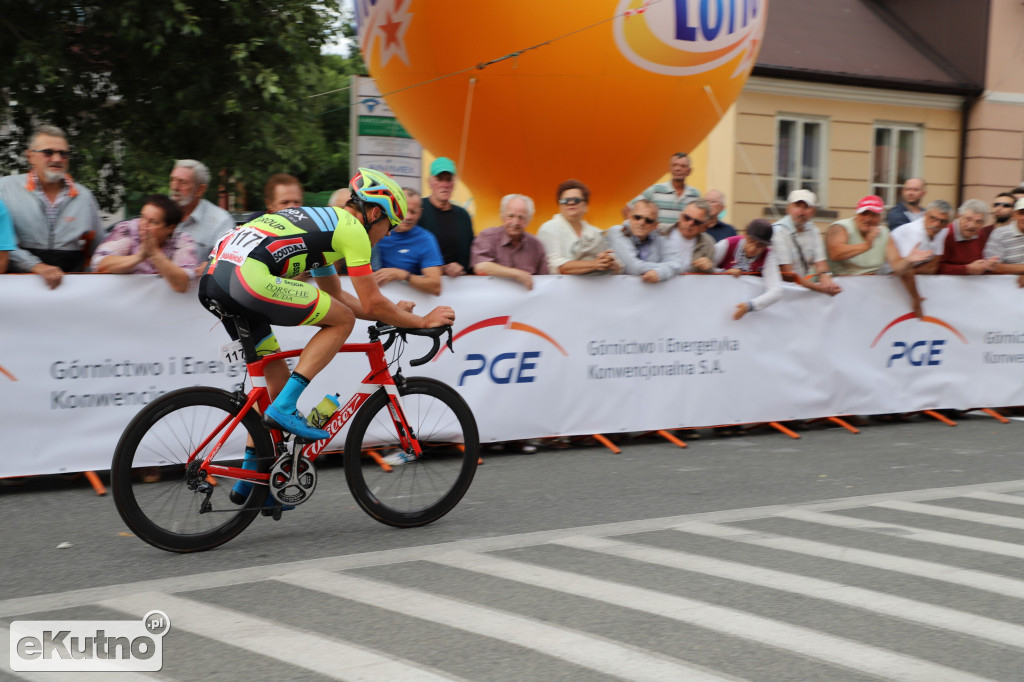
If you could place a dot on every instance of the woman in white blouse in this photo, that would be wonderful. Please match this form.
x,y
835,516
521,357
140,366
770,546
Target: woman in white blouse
x,y
572,245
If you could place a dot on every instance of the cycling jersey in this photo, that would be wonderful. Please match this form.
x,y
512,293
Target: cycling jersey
x,y
298,240
252,267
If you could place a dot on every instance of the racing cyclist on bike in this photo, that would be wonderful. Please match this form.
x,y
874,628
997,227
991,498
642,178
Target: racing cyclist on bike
x,y
251,270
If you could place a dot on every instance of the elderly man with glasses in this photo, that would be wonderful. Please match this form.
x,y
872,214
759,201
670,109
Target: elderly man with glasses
x,y
694,249
508,250
641,249
56,220
963,250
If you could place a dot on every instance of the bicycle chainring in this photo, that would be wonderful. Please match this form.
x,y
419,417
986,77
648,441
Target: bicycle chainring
x,y
289,489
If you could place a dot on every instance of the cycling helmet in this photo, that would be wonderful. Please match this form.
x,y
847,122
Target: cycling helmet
x,y
374,187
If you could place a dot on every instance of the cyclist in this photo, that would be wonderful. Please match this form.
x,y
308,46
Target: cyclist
x,y
251,273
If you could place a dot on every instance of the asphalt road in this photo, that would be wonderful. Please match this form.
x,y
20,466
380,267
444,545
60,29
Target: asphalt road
x,y
551,512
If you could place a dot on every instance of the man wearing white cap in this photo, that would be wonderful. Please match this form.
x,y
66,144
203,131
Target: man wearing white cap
x,y
799,248
451,224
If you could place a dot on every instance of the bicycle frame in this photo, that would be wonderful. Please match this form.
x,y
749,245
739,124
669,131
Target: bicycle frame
x,y
259,396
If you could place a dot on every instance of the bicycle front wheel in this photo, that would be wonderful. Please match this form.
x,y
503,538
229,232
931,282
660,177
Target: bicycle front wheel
x,y
424,489
163,498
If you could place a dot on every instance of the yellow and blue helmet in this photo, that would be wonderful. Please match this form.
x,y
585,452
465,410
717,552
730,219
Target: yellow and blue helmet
x,y
374,187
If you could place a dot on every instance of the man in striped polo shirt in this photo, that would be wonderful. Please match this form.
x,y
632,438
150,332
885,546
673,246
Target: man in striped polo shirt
x,y
1007,244
670,197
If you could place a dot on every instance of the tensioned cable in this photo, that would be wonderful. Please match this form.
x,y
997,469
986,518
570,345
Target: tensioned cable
x,y
511,55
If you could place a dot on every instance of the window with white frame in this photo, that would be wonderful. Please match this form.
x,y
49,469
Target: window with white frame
x,y
799,155
897,158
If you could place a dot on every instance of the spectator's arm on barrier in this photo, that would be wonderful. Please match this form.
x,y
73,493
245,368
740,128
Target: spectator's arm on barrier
x,y
1008,269
493,269
838,246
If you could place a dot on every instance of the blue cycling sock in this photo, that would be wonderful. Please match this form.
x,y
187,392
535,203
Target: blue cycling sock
x,y
289,395
241,489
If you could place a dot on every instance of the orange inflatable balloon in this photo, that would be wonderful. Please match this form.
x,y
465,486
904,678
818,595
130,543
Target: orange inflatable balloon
x,y
523,95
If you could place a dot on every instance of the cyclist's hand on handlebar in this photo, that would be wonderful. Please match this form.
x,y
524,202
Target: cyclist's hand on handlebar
x,y
407,306
439,316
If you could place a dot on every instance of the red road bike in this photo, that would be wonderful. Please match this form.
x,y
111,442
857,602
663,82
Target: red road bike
x,y
410,454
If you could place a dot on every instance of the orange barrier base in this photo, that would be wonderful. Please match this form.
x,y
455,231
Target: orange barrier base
x,y
941,417
671,439
775,425
95,482
607,443
995,415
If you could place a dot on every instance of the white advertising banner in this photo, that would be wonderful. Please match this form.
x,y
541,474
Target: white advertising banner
x,y
576,355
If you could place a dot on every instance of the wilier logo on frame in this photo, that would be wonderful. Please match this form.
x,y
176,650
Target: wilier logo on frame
x,y
89,645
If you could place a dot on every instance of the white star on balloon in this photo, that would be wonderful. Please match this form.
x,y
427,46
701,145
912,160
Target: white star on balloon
x,y
388,25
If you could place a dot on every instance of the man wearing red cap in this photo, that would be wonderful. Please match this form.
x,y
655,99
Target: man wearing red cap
x,y
861,246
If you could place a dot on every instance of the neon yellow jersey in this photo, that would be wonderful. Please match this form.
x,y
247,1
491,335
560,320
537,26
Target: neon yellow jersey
x,y
298,240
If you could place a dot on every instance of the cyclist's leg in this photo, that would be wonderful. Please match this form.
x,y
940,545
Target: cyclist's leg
x,y
335,324
276,373
335,328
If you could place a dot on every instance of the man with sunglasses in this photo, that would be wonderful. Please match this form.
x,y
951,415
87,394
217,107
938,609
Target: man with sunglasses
x,y
252,273
693,247
640,248
56,220
1002,209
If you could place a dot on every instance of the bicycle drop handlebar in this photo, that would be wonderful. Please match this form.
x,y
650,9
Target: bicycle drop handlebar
x,y
379,330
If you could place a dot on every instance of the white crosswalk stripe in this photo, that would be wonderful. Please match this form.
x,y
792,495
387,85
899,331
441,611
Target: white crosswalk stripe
x,y
828,648
909,532
587,651
771,592
979,580
996,497
908,609
951,513
304,649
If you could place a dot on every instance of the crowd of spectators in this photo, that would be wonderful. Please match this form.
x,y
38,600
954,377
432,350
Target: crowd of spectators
x,y
50,225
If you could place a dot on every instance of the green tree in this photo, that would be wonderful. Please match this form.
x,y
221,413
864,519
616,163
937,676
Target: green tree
x,y
139,83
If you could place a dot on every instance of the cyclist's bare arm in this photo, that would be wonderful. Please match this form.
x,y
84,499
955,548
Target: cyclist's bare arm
x,y
377,306
331,284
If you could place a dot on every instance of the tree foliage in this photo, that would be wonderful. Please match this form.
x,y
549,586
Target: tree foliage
x,y
139,83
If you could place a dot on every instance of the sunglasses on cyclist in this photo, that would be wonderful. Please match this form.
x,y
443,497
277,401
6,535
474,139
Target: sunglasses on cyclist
x,y
63,153
570,201
649,221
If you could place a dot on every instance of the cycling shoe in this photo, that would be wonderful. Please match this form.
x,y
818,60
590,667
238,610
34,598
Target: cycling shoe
x,y
293,423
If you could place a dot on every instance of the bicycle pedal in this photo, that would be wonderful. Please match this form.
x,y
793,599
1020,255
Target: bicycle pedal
x,y
275,512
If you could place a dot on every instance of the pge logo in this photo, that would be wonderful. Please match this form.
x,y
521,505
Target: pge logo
x,y
504,368
917,352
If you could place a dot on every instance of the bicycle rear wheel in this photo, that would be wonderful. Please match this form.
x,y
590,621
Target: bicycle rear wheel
x,y
150,475
426,488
